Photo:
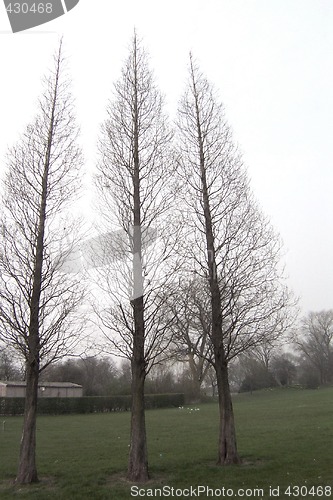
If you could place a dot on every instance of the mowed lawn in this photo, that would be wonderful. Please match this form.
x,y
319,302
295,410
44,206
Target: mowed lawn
x,y
285,438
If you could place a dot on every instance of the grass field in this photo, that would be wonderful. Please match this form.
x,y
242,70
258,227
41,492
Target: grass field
x,y
285,438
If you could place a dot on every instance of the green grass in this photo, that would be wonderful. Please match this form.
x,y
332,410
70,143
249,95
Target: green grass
x,y
284,437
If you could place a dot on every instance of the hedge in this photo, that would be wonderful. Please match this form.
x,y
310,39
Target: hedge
x,y
91,404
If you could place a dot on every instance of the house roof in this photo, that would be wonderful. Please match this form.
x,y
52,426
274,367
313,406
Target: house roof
x,y
22,383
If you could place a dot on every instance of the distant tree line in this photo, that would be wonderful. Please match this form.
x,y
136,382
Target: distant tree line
x,y
308,363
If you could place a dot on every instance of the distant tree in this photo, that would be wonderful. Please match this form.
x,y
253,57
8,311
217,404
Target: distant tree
x,y
264,351
257,374
9,368
68,370
38,302
211,381
307,374
314,339
133,177
161,379
99,375
229,241
96,375
191,329
284,368
123,381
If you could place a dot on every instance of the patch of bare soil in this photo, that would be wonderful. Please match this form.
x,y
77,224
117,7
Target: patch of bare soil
x,y
120,478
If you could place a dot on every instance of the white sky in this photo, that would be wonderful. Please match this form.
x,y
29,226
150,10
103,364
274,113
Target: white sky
x,y
272,62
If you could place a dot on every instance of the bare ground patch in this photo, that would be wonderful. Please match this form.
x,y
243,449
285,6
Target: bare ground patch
x,y
119,478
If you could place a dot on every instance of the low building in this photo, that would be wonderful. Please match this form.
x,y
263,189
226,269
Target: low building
x,y
16,389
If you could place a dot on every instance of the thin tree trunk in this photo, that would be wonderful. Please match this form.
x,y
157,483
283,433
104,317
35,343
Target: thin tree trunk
x,y
196,377
227,449
138,456
27,470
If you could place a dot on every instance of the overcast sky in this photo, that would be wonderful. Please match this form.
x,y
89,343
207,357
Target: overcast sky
x,y
272,63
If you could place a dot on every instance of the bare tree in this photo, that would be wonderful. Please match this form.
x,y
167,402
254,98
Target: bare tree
x,y
284,368
9,368
314,339
264,351
96,375
191,329
38,302
132,181
229,242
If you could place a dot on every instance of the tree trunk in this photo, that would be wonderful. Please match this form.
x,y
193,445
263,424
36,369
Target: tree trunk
x,y
196,378
27,471
227,451
138,456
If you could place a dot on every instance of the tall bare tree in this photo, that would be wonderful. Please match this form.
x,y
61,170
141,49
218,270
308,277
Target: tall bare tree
x,y
132,180
314,339
229,242
38,302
